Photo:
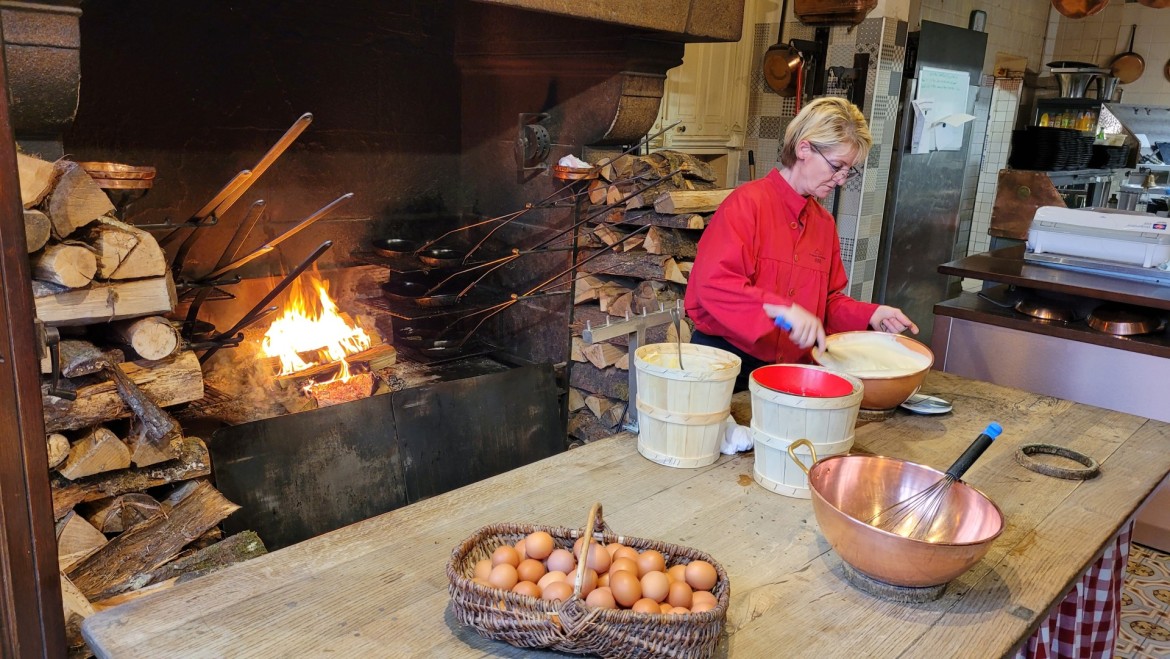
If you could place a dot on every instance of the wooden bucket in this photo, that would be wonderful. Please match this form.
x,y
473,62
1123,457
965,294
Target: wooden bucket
x,y
681,411
776,471
799,402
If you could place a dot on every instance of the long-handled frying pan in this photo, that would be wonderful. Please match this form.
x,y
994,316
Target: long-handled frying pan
x,y
1128,66
1079,8
782,62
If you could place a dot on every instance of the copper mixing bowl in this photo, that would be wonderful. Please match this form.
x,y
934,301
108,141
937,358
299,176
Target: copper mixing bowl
x,y
881,392
847,490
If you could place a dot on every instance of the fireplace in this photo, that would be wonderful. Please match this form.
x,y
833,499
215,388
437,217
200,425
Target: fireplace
x,y
434,115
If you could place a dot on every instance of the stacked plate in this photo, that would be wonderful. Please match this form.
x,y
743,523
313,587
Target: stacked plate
x,y
116,176
1109,157
1047,149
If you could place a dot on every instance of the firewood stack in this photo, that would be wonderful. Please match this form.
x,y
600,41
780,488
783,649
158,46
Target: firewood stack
x,y
134,509
675,194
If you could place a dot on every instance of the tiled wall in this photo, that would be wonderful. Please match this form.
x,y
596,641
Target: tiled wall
x,y
859,215
1004,106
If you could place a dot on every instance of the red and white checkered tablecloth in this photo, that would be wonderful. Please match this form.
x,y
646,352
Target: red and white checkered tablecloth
x,y
1085,624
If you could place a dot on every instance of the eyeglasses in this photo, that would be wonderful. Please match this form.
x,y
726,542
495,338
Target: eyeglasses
x,y
850,172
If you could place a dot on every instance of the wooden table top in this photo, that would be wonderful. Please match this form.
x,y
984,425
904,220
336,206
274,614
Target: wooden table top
x,y
379,588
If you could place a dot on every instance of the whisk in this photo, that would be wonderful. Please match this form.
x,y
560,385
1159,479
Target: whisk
x,y
915,517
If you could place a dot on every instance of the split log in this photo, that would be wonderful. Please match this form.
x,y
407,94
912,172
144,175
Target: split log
x,y
357,387
609,236
597,191
119,513
37,228
77,609
76,200
125,251
234,549
576,352
131,595
586,428
193,462
576,399
124,561
609,382
143,452
97,451
620,306
168,382
585,288
672,242
382,355
602,355
651,296
624,362
609,296
78,358
609,412
36,179
58,448
696,201
76,539
676,271
67,264
644,217
151,338
157,427
639,265
104,302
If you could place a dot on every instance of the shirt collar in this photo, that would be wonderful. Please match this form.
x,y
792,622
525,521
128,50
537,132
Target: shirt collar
x,y
793,202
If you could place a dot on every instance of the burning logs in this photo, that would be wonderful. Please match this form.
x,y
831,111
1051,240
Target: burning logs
x,y
632,280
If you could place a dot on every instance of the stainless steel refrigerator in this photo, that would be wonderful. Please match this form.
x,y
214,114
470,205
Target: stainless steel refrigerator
x,y
921,225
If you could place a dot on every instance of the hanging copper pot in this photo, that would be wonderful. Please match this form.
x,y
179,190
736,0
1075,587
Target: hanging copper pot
x,y
1079,8
782,63
1128,66
1156,4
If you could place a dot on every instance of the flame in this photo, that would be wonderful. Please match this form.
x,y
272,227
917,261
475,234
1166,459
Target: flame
x,y
311,331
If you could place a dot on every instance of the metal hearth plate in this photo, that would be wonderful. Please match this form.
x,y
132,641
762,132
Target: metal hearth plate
x,y
1100,267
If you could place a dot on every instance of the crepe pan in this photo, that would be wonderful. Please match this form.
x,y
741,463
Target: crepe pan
x,y
1128,66
1079,8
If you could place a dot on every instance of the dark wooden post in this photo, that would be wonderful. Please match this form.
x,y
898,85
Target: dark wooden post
x,y
31,619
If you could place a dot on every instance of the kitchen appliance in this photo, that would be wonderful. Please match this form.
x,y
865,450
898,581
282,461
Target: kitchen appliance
x,y
1105,241
924,209
1074,81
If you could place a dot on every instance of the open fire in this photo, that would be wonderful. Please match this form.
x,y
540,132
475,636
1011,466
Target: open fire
x,y
311,331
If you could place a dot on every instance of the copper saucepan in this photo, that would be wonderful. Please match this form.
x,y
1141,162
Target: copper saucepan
x,y
849,489
1079,8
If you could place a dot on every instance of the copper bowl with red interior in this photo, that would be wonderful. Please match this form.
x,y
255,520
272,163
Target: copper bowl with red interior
x,y
849,489
891,367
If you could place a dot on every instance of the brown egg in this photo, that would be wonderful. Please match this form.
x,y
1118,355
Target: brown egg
x,y
482,582
677,572
699,607
483,568
506,554
612,547
588,584
520,549
650,561
626,552
704,598
577,545
530,569
625,587
603,580
620,564
701,575
678,610
538,545
599,559
655,585
601,598
503,576
561,560
646,605
527,588
550,577
557,590
680,594
664,608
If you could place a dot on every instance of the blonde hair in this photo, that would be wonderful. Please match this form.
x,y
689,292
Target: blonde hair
x,y
827,122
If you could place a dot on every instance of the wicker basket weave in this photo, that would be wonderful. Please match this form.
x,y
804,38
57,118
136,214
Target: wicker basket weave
x,y
571,625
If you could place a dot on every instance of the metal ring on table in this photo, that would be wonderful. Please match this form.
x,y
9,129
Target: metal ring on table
x,y
1091,467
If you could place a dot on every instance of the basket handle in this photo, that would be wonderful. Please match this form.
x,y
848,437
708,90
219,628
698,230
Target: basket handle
x,y
792,453
595,522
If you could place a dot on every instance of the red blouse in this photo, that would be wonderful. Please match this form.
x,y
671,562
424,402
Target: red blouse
x,y
768,244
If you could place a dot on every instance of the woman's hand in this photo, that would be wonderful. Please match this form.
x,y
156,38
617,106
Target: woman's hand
x,y
804,329
889,319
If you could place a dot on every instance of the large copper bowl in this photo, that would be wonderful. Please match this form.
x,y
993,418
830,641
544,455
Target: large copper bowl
x,y
882,391
847,490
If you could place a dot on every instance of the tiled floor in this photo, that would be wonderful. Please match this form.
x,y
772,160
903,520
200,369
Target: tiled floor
x,y
1145,606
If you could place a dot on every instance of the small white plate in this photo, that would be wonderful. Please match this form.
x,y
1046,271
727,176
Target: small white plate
x,y
923,404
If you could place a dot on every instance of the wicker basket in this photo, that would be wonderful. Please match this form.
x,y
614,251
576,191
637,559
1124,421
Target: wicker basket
x,y
571,625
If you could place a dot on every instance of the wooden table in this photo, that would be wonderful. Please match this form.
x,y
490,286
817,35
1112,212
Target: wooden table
x,y
378,588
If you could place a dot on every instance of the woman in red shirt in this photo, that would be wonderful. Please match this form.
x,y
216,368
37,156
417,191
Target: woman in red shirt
x,y
771,254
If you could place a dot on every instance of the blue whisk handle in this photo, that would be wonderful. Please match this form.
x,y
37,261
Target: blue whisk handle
x,y
975,450
782,323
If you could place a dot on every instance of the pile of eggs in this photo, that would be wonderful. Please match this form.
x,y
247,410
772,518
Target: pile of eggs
x,y
616,576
